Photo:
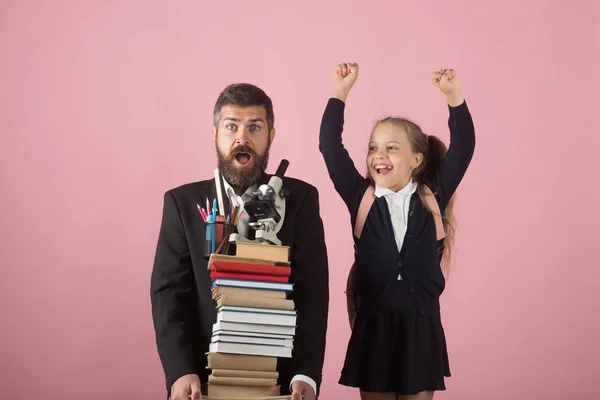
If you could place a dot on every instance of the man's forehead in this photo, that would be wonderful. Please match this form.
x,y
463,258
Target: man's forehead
x,y
237,113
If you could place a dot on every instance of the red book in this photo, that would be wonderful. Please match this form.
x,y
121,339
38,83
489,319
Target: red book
x,y
247,277
247,268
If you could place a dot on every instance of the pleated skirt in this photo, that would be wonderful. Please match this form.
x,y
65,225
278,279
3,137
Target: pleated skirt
x,y
396,351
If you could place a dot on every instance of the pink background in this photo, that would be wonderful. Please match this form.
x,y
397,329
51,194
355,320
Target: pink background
x,y
105,105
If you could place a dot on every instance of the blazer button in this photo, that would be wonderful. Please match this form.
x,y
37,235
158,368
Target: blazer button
x,y
399,263
421,312
411,213
412,289
408,236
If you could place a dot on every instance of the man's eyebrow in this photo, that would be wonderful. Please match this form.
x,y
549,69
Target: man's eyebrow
x,y
234,119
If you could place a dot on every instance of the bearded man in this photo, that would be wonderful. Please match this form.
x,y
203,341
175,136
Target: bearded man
x,y
182,307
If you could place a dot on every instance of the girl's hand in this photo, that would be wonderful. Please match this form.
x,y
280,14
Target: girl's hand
x,y
344,77
447,82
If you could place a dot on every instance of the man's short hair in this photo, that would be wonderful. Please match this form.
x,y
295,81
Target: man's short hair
x,y
244,95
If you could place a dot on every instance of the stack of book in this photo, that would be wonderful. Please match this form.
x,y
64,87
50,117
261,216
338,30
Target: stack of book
x,y
256,321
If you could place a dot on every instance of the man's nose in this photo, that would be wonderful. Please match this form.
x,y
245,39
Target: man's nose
x,y
242,136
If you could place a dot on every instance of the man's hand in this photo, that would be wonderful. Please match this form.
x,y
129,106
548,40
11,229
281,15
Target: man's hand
x,y
302,390
447,82
343,79
187,387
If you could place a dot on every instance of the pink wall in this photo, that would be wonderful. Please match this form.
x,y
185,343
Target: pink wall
x,y
105,105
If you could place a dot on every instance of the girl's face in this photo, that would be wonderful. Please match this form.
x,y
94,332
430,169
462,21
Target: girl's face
x,y
390,160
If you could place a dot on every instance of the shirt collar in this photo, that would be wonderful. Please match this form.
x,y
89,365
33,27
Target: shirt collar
x,y
230,192
407,190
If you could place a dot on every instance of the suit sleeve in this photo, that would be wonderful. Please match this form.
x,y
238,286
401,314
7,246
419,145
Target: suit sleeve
x,y
311,289
172,295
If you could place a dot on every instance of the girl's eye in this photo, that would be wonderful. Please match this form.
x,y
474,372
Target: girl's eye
x,y
392,148
371,148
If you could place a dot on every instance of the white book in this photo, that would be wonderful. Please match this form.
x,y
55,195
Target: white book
x,y
256,318
287,287
251,349
257,310
254,328
252,340
251,334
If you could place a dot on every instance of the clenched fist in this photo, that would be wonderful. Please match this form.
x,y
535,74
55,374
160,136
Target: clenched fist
x,y
302,391
344,77
187,387
447,82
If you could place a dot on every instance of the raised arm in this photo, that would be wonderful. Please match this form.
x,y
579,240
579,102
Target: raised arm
x,y
347,181
462,137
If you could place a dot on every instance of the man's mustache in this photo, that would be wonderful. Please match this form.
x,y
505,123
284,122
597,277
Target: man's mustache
x,y
242,149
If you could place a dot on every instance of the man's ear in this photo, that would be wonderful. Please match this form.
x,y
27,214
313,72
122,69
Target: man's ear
x,y
271,135
214,129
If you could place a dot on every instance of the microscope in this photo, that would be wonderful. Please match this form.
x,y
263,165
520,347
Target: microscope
x,y
266,210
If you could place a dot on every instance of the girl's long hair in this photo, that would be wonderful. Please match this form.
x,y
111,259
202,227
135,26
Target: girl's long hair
x,y
434,152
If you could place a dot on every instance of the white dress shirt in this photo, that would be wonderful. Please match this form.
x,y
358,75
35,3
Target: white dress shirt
x,y
242,228
398,204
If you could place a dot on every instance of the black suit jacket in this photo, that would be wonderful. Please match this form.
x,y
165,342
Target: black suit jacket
x,y
182,308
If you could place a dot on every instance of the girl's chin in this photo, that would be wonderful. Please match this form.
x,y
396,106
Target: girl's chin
x,y
382,180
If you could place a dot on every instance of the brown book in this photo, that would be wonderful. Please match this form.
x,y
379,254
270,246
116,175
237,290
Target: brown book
x,y
245,260
241,362
254,301
234,291
237,381
245,374
243,391
262,252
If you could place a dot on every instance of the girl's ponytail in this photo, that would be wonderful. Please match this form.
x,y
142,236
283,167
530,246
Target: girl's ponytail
x,y
434,152
433,157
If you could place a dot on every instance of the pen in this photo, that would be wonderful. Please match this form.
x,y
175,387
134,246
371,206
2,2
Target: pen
x,y
214,230
201,211
237,219
233,215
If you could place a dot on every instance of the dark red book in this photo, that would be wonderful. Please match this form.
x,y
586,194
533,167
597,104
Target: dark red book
x,y
247,268
247,277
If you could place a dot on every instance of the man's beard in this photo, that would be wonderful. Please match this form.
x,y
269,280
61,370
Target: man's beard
x,y
242,178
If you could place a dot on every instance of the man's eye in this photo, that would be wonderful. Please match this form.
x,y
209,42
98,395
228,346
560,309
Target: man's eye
x,y
255,128
231,127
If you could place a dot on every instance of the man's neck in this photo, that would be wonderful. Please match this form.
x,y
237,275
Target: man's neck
x,y
239,190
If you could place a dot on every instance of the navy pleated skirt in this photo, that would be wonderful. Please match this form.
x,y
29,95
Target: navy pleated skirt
x,y
396,351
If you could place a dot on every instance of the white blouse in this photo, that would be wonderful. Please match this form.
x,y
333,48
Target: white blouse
x,y
398,204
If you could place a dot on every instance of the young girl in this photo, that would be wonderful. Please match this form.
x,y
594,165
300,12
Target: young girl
x,y
402,219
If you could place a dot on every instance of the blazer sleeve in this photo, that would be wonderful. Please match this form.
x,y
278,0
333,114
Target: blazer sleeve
x,y
346,179
311,289
459,155
172,295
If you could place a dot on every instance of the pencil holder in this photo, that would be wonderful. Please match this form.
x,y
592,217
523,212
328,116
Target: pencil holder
x,y
217,236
